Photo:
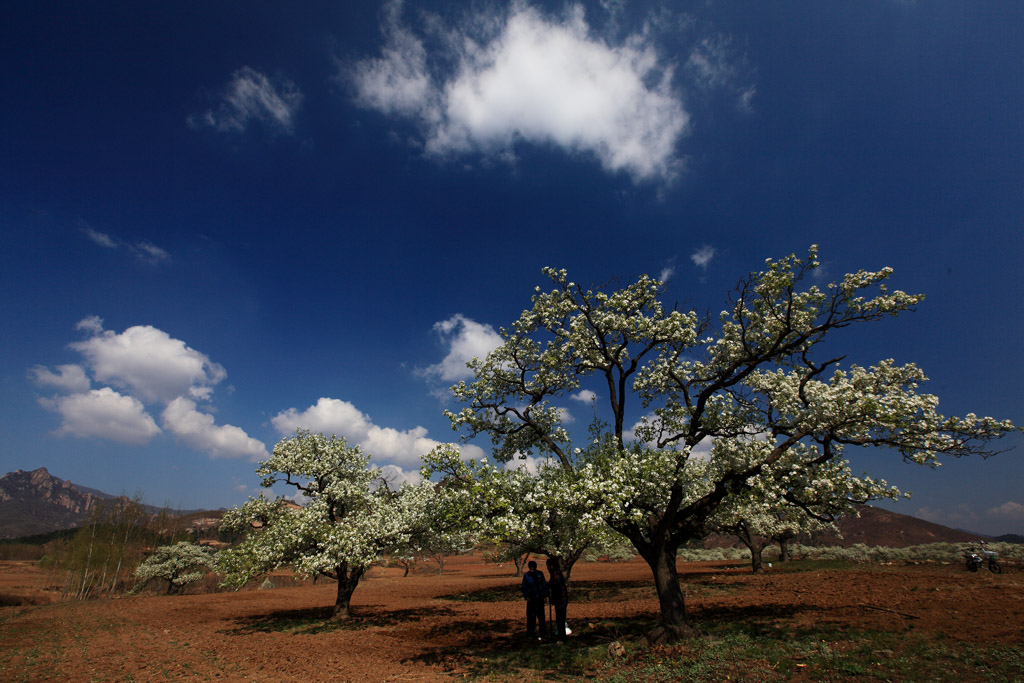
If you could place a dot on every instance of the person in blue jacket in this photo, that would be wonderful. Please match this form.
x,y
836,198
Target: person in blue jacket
x,y
535,591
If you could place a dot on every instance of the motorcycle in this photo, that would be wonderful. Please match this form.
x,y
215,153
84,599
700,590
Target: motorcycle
x,y
976,559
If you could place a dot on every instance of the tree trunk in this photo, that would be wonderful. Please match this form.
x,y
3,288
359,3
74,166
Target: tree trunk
x,y
674,626
756,564
348,579
784,552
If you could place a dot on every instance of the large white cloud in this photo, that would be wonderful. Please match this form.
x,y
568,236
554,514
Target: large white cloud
x,y
197,430
149,363
384,444
252,97
466,340
106,414
525,77
150,367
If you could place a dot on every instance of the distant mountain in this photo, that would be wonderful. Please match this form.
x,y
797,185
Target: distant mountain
x,y
1009,538
874,526
37,502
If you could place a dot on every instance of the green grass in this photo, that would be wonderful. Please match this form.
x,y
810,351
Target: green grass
x,y
747,651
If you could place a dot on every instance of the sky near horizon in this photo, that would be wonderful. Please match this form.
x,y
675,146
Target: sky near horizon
x,y
223,221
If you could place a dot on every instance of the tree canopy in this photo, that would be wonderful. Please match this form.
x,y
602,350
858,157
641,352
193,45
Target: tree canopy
x,y
347,518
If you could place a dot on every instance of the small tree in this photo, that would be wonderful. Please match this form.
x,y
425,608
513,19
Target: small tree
x,y
179,565
349,518
529,513
754,374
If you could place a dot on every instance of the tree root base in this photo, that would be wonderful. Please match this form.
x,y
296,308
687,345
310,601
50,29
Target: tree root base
x,y
665,635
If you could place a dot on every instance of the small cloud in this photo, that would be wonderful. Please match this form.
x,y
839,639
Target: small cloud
x,y
584,396
666,273
101,238
1008,510
92,324
962,516
703,256
251,97
146,252
466,340
149,253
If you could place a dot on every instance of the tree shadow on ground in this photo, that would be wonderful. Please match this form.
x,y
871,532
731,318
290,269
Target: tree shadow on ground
x,y
579,591
318,619
492,647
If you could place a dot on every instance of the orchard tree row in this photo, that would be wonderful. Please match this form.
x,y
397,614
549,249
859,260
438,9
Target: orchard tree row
x,y
742,426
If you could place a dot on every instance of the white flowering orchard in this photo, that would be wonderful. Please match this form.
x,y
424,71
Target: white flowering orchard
x,y
751,384
349,519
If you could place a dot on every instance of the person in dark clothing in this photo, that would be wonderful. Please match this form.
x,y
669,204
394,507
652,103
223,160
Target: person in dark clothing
x,y
558,592
535,590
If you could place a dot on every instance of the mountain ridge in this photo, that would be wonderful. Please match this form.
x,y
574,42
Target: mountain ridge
x,y
37,502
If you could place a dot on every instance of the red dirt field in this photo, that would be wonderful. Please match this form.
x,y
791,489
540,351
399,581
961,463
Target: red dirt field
x,y
426,627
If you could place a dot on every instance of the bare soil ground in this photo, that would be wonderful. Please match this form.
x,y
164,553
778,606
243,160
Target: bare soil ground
x,y
426,627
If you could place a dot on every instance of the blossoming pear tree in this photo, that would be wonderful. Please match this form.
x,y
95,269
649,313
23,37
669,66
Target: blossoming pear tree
x,y
348,518
178,565
540,512
755,374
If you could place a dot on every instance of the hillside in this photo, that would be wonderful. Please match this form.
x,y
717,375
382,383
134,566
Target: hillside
x,y
874,527
37,502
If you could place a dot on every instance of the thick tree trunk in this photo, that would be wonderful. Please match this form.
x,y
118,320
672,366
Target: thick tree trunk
x,y
348,579
756,564
674,625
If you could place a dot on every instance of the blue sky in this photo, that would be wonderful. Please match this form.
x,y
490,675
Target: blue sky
x,y
225,220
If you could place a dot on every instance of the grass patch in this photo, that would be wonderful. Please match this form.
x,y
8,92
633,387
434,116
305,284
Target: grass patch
x,y
744,650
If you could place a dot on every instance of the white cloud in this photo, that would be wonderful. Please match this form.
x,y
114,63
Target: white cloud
x,y
1008,510
529,463
528,78
466,339
396,476
92,324
102,239
334,416
327,416
146,252
703,256
148,362
584,396
69,378
197,430
962,516
106,414
252,97
149,253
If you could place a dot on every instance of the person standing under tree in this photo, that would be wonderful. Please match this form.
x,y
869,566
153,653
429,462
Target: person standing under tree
x,y
535,590
559,596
